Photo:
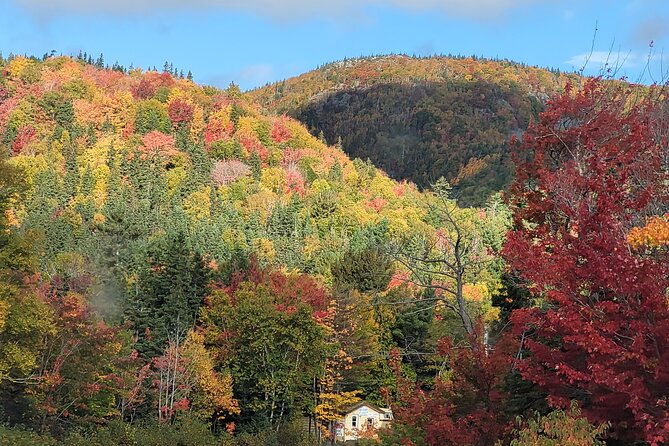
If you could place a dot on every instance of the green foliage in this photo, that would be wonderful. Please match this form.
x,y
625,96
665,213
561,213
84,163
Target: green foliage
x,y
187,431
422,118
560,428
368,271
121,232
169,295
226,150
274,354
19,437
24,319
152,115
57,107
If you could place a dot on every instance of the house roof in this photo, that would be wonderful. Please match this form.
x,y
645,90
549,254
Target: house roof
x,y
370,405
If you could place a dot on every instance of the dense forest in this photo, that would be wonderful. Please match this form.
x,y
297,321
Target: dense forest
x,y
422,118
177,266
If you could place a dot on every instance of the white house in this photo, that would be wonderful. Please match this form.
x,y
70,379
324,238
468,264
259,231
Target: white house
x,y
362,419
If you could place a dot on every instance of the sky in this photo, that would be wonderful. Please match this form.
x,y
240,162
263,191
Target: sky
x,y
253,42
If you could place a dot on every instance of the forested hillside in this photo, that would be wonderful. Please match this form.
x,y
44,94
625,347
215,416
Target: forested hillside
x,y
422,118
181,254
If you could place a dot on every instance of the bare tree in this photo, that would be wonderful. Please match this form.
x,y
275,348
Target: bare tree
x,y
448,260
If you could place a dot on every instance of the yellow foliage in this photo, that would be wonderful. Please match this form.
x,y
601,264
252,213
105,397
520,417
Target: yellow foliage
x,y
476,292
382,186
654,235
264,248
333,405
350,214
234,238
319,185
198,204
351,175
274,179
25,321
221,117
12,220
95,161
30,166
311,246
213,393
101,176
197,125
119,109
179,93
4,311
18,66
246,128
99,219
261,202
406,220
22,114
174,178
97,155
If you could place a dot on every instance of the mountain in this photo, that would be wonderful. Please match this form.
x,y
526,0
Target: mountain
x,y
422,118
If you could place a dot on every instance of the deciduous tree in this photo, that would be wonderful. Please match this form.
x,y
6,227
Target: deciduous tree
x,y
588,172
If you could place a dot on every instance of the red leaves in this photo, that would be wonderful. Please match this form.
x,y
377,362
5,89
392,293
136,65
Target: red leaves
x,y
23,138
158,144
295,181
291,290
280,133
462,409
377,203
144,90
180,111
585,173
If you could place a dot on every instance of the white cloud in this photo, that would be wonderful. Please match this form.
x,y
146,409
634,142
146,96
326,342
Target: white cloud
x,y
605,59
641,66
279,9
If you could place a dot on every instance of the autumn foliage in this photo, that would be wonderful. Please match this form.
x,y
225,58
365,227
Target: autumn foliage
x,y
465,406
587,172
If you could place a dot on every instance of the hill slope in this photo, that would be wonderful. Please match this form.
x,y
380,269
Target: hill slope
x,y
170,229
111,157
420,119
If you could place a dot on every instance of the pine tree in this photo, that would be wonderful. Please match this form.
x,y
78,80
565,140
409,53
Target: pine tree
x,y
172,289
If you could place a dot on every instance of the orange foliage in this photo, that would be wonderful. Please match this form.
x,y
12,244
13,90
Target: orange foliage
x,y
654,235
156,143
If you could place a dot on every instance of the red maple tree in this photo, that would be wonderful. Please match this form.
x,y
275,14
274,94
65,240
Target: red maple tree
x,y
465,406
590,170
180,111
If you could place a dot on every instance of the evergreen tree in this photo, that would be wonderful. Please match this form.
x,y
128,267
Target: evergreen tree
x,y
256,165
171,291
368,271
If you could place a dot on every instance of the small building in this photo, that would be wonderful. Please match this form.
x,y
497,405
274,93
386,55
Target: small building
x,y
362,420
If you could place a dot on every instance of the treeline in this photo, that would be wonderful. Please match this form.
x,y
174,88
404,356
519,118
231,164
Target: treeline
x,y
99,62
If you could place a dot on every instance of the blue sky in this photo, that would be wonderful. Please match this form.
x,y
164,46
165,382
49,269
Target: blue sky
x,y
252,42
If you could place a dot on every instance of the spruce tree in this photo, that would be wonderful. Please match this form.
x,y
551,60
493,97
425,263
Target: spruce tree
x,y
171,291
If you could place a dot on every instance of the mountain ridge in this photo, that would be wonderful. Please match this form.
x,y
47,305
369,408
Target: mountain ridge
x,y
422,118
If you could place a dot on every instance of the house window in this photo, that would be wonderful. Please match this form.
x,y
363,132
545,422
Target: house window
x,y
354,421
370,422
